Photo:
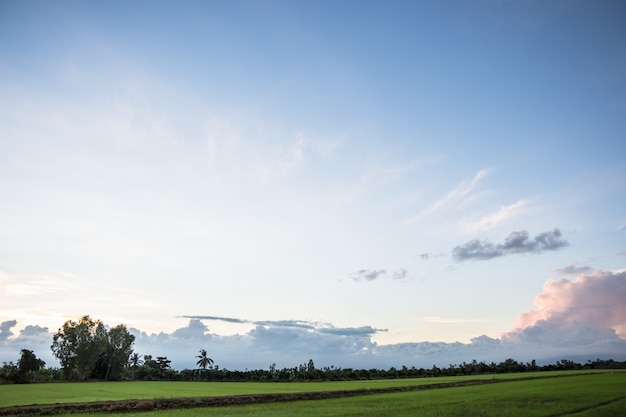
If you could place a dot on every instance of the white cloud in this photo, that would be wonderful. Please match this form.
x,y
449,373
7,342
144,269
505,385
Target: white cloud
x,y
459,196
501,216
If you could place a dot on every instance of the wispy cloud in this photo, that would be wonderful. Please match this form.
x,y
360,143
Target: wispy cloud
x,y
257,149
458,196
516,242
444,320
378,177
503,214
573,270
294,324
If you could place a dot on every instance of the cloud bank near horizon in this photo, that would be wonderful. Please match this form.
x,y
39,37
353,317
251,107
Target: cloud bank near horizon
x,y
578,320
516,242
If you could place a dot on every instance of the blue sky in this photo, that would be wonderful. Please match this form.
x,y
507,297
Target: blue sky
x,y
411,182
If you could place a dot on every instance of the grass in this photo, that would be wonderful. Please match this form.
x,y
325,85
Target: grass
x,y
75,392
576,394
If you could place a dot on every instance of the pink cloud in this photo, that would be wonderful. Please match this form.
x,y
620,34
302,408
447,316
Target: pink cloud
x,y
592,301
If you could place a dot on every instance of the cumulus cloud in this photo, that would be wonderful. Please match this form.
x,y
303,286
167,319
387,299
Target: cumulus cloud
x,y
284,342
288,346
573,270
578,320
593,301
364,275
516,242
31,337
5,329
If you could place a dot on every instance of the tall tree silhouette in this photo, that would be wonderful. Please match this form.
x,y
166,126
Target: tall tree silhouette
x,y
203,359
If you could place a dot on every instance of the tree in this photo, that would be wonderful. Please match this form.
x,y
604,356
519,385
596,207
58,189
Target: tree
x,y
119,349
163,366
204,360
135,361
28,363
78,345
115,355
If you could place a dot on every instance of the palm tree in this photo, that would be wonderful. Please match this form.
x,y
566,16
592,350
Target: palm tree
x,y
135,361
204,360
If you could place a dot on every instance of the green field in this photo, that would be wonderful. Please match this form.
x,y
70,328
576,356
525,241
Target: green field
x,y
588,394
11,395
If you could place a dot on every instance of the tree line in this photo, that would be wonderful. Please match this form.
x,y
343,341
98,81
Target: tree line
x,y
88,350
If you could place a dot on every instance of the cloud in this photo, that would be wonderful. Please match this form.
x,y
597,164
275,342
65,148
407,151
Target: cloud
x,y
427,255
284,342
226,319
516,242
593,302
368,274
33,331
441,320
31,337
324,328
573,270
259,149
493,220
352,331
303,324
374,274
459,195
565,326
578,320
5,329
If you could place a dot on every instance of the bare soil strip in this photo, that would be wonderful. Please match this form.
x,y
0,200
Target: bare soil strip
x,y
171,403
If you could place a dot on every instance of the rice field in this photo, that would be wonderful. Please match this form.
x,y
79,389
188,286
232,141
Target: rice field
x,y
543,394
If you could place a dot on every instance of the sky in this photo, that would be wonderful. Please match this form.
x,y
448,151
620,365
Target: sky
x,y
361,183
